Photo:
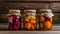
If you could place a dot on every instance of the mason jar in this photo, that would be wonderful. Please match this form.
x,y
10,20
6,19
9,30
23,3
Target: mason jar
x,y
29,19
14,19
45,19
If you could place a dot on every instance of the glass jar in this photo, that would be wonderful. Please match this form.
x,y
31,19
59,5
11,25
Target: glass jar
x,y
45,19
14,19
30,19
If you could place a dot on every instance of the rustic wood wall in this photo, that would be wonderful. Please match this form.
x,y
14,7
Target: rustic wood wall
x,y
29,4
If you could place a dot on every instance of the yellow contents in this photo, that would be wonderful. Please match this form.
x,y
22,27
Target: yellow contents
x,y
48,25
45,25
27,20
31,22
27,25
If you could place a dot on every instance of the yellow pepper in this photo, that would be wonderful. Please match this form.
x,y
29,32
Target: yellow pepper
x,y
29,24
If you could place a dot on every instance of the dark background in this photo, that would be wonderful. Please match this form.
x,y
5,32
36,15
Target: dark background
x,y
5,5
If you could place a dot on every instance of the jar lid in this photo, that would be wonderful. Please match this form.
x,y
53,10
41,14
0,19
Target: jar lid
x,y
14,12
46,10
29,10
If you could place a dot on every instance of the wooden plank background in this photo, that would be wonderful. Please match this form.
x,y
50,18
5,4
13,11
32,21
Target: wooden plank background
x,y
29,0
55,6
